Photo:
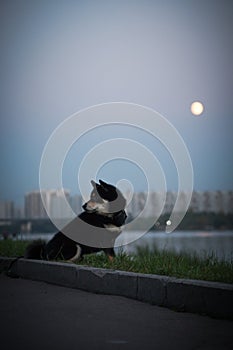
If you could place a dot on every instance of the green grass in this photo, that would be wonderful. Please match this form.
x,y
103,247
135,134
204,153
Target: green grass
x,y
167,263
12,248
149,261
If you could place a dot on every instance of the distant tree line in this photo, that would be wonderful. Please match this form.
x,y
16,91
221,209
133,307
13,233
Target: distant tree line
x,y
196,221
191,221
17,226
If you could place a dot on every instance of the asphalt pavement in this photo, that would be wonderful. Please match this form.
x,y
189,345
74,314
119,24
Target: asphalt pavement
x,y
38,315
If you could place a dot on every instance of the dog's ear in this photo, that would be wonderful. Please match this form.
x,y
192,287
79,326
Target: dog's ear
x,y
104,186
103,183
94,184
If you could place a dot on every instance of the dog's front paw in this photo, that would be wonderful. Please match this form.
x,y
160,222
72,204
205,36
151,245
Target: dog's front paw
x,y
78,255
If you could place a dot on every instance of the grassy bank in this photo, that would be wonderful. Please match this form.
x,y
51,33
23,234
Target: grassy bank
x,y
148,261
12,248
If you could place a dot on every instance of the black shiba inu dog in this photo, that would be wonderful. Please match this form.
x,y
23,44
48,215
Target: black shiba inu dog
x,y
94,230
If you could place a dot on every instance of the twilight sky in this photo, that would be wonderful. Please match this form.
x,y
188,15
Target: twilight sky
x,y
58,57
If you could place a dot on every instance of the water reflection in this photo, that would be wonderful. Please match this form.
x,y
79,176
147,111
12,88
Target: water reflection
x,y
201,243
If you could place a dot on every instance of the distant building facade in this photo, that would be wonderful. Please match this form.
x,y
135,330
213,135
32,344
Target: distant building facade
x,y
33,206
55,201
7,209
212,202
76,203
207,201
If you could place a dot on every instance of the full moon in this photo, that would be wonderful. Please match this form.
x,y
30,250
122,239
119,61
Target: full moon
x,y
197,108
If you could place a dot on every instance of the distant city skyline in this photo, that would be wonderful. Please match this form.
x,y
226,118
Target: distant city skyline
x,y
207,201
60,57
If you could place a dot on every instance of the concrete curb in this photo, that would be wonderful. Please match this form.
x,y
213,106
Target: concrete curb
x,y
208,298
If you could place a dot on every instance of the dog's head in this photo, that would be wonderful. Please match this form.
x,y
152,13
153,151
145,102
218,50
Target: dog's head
x,y
105,199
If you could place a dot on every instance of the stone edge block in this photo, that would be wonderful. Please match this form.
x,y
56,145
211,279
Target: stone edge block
x,y
107,281
209,298
52,272
5,263
152,289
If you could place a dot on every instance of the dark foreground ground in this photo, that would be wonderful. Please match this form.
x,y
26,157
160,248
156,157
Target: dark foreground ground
x,y
36,315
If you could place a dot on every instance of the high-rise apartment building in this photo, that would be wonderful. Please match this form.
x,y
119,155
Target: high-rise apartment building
x,y
7,210
55,201
207,201
33,206
76,203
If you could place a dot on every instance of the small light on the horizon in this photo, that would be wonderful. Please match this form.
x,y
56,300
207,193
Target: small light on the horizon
x,y
168,223
197,108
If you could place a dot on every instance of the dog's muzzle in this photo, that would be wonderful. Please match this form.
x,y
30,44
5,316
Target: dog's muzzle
x,y
90,206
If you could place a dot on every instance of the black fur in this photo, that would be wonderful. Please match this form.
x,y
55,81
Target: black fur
x,y
99,211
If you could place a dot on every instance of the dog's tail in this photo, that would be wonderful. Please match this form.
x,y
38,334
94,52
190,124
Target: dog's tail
x,y
35,250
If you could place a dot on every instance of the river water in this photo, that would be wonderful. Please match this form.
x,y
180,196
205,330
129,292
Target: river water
x,y
201,243
219,243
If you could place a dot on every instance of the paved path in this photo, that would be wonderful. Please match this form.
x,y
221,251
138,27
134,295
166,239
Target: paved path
x,y
36,315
